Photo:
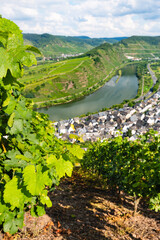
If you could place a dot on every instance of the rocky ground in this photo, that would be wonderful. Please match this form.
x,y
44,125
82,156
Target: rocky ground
x,y
84,210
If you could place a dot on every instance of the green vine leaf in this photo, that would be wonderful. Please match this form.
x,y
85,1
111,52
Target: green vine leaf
x,y
45,199
10,120
6,102
7,27
26,137
17,126
3,63
62,167
12,224
32,49
35,180
76,151
11,189
40,210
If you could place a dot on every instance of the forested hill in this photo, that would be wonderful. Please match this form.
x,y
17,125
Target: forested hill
x,y
54,46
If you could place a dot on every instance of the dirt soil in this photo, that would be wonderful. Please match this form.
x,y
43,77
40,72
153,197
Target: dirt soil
x,y
82,210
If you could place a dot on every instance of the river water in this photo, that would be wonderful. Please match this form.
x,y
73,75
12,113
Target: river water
x,y
110,94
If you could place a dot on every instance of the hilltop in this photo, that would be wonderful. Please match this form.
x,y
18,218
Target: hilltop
x,y
54,46
53,83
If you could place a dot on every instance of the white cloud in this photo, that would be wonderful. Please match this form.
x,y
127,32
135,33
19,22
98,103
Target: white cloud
x,y
53,17
95,18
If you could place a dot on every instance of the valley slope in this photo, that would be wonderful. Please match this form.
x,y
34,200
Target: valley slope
x,y
141,47
53,83
54,46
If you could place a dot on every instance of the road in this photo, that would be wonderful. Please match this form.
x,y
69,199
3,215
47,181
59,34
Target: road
x,y
152,74
154,78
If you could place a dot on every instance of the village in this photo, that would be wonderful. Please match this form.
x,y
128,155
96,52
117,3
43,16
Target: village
x,y
126,121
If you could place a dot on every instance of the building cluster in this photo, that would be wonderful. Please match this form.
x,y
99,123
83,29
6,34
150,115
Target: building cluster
x,y
62,56
133,58
127,121
70,55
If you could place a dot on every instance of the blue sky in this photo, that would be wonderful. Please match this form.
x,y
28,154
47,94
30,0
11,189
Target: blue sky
x,y
93,18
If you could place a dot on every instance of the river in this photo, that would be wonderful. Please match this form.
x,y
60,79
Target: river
x,y
110,94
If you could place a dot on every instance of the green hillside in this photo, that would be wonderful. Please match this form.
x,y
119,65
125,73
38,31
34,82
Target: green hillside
x,y
53,83
66,80
54,46
141,46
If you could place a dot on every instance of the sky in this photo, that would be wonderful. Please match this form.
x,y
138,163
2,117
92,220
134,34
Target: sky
x,y
93,18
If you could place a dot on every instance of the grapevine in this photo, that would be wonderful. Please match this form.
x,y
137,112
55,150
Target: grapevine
x,y
129,166
32,159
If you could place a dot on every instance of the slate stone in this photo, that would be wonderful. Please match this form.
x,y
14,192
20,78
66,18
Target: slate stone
x,y
139,123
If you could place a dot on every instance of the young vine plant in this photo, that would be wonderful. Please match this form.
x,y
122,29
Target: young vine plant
x,y
32,159
129,166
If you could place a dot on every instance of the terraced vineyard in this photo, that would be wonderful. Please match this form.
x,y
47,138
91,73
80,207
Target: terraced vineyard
x,y
141,47
156,69
58,82
48,81
52,83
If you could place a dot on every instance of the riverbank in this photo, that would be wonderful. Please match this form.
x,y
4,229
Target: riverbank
x,y
80,95
119,75
110,94
73,78
127,121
